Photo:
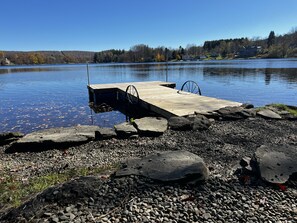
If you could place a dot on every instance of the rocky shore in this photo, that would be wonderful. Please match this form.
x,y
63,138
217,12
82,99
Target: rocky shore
x,y
224,197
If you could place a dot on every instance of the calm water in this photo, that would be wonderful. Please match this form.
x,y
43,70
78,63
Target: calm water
x,y
37,97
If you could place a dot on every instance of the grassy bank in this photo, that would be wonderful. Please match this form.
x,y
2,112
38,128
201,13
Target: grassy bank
x,y
291,109
14,191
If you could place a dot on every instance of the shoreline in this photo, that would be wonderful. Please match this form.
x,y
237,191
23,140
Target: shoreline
x,y
151,62
221,146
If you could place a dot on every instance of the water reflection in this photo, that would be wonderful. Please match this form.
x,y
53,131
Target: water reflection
x,y
267,76
288,75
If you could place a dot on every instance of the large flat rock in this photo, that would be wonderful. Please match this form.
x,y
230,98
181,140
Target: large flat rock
x,y
46,139
151,125
276,163
125,130
106,133
267,113
168,166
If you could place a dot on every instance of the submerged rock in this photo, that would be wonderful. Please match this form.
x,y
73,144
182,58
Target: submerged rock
x,y
168,166
275,164
55,137
151,125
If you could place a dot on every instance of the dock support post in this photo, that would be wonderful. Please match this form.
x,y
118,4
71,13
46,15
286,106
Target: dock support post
x,y
88,73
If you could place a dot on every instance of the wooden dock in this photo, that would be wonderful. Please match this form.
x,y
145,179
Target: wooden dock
x,y
161,98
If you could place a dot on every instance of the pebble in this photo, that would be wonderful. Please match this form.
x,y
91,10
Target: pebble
x,y
55,220
68,209
63,218
47,214
71,216
206,216
115,190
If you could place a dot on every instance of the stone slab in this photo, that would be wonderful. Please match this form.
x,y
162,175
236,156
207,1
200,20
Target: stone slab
x,y
168,166
151,125
125,130
267,113
105,133
45,139
276,163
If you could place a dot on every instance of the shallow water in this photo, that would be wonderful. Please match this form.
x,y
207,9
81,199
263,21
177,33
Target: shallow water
x,y
38,97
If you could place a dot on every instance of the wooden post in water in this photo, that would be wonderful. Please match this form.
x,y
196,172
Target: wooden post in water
x,y
166,54
166,71
88,73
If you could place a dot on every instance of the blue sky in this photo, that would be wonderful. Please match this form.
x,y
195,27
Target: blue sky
x,y
96,25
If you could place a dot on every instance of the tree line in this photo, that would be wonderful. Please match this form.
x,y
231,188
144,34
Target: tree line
x,y
271,47
282,46
46,57
140,53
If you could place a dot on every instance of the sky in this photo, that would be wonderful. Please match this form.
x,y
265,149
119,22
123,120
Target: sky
x,y
96,25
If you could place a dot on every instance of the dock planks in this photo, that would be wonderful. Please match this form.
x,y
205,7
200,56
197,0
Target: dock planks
x,y
163,99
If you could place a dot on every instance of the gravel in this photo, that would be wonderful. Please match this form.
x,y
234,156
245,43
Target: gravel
x,y
91,199
134,199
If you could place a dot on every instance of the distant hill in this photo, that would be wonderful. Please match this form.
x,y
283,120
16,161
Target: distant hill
x,y
47,57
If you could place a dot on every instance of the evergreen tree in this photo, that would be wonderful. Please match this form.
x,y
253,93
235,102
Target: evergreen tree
x,y
271,39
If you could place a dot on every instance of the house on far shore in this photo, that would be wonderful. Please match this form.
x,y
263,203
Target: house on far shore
x,y
249,51
5,62
202,57
187,57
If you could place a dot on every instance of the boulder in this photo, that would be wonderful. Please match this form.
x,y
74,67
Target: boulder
x,y
248,113
267,113
199,122
167,166
209,114
8,137
247,106
55,137
275,164
125,130
179,123
231,113
151,126
234,113
105,133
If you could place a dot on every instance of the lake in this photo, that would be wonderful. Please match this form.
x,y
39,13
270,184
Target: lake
x,y
38,97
